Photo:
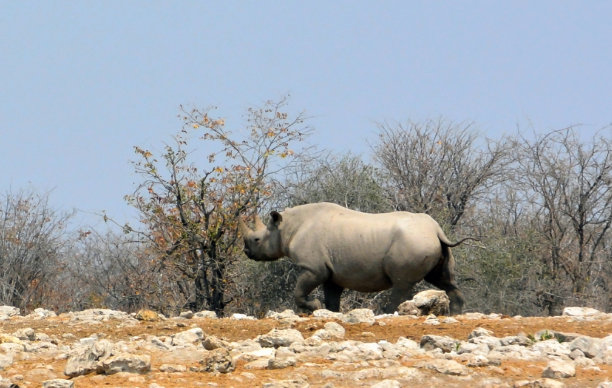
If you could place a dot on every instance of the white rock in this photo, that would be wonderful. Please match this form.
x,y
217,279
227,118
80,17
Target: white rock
x,y
480,332
359,316
580,312
326,314
188,337
240,317
432,302
589,346
491,342
551,347
58,383
283,337
9,311
287,315
86,358
446,344
218,360
559,370
387,384
281,362
205,314
172,368
331,330
129,363
447,367
40,313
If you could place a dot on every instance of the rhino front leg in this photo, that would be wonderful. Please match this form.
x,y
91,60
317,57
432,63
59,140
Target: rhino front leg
x,y
399,294
306,282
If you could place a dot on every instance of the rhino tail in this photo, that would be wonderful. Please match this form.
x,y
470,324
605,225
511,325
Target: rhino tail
x,y
446,242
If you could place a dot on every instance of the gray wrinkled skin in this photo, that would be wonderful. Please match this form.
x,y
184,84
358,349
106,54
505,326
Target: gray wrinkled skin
x,y
346,249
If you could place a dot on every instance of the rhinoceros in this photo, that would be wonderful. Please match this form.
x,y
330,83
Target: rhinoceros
x,y
346,249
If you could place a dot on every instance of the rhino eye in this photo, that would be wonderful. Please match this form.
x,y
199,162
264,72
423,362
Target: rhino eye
x,y
256,239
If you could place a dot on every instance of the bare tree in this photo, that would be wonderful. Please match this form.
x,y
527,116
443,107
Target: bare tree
x,y
437,167
190,208
569,184
32,241
345,180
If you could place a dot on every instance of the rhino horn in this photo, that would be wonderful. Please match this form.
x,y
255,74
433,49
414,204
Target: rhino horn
x,y
258,223
242,227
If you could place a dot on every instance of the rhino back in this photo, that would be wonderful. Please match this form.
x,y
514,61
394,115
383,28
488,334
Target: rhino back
x,y
361,249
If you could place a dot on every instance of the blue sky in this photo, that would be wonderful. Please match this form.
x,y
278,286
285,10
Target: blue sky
x,y
83,82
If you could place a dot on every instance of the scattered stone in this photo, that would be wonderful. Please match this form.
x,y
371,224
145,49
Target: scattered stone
x,y
446,344
8,311
359,316
212,342
480,332
86,358
434,302
218,360
447,367
172,368
286,316
330,331
326,314
427,302
408,308
205,314
540,383
186,314
129,363
40,313
281,363
283,337
239,317
188,337
589,346
58,383
559,370
147,316
431,320
387,384
580,312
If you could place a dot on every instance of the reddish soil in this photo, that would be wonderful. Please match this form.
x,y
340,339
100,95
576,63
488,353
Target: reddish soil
x,y
35,370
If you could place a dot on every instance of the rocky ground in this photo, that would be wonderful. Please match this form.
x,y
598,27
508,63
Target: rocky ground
x,y
105,348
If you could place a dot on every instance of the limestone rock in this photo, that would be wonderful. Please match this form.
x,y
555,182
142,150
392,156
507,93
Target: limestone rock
x,y
330,331
559,370
282,337
188,337
8,311
218,360
86,358
359,316
447,367
580,312
125,362
58,383
446,344
426,302
205,314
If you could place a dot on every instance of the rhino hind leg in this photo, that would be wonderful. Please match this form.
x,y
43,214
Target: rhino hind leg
x,y
307,281
399,294
332,293
442,276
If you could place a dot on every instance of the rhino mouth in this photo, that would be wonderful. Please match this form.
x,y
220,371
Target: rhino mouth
x,y
249,254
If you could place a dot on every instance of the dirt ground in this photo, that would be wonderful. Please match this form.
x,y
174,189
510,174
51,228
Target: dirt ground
x,y
33,371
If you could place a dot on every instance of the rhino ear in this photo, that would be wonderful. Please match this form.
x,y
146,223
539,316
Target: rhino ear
x,y
276,218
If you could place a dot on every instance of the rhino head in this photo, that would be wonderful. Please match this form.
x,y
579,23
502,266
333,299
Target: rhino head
x,y
264,242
